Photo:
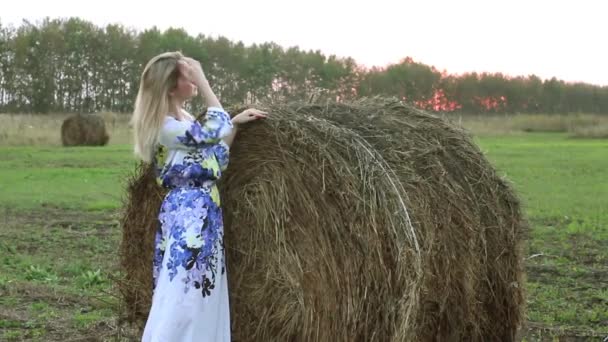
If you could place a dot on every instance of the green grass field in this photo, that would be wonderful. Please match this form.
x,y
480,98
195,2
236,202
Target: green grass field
x,y
59,236
563,186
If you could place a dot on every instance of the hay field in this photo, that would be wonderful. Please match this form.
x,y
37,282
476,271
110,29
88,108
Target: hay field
x,y
59,230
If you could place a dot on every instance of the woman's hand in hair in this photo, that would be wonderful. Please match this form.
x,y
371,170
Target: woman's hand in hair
x,y
193,70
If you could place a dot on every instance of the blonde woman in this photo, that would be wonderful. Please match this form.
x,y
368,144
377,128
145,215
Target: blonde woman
x,y
190,300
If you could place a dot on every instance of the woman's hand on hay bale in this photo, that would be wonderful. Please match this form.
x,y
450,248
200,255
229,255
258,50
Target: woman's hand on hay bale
x,y
248,115
245,116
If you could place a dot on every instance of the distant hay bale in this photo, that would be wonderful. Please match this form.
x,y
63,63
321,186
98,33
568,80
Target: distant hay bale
x,y
553,123
599,131
367,221
109,118
84,130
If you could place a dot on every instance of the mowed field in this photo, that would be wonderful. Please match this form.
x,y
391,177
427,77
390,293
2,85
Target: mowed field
x,y
59,231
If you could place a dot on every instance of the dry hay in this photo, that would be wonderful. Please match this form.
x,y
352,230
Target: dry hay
x,y
84,130
110,118
318,202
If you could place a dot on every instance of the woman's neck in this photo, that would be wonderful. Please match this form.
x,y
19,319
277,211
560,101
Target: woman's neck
x,y
176,111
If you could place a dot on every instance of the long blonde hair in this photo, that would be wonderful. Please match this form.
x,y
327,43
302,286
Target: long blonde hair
x,y
152,103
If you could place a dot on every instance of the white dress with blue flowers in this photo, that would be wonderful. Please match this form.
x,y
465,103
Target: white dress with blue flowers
x,y
190,300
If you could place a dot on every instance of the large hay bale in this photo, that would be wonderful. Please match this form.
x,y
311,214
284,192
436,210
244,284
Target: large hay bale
x,y
84,130
368,221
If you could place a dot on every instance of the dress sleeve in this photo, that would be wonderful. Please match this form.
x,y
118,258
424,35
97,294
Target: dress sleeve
x,y
222,152
182,134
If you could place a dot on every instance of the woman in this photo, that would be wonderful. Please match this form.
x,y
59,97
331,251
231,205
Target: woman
x,y
190,301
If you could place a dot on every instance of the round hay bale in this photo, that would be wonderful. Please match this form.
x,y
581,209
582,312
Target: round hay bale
x,y
139,222
109,118
367,221
84,130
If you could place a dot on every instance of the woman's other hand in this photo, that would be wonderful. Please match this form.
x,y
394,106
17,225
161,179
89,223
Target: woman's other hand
x,y
248,115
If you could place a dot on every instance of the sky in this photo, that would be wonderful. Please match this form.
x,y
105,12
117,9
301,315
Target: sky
x,y
565,39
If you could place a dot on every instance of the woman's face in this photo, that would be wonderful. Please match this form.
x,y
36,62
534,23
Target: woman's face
x,y
184,89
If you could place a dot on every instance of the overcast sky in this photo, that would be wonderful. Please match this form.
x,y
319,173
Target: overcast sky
x,y
566,39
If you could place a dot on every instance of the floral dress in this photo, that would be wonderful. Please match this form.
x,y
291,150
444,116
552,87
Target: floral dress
x,y
190,300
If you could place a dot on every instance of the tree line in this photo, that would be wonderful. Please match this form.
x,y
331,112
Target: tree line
x,y
72,65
